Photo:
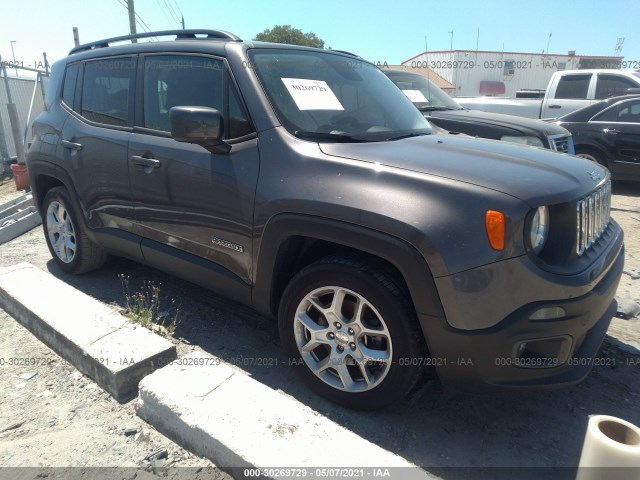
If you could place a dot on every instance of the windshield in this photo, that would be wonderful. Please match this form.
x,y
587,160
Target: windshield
x,y
424,94
326,96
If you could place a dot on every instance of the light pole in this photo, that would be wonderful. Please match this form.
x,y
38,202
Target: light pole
x,y
15,65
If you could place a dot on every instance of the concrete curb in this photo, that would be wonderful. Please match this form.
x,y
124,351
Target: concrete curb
x,y
17,217
224,415
115,352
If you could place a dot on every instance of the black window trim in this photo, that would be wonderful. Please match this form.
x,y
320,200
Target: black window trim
x,y
139,88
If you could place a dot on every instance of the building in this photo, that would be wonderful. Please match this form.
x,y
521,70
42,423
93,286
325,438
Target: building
x,y
478,72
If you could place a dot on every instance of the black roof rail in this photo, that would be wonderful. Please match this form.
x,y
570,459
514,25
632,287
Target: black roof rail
x,y
180,35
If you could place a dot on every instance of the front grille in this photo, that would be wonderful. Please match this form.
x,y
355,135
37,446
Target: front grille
x,y
561,143
593,215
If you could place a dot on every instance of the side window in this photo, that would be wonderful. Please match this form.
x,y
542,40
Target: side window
x,y
69,86
173,81
609,115
105,91
629,112
612,85
573,86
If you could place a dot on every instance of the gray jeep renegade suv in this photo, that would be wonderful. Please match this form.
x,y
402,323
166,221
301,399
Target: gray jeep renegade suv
x,y
302,182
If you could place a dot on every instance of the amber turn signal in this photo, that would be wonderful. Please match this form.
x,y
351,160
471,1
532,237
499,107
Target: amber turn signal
x,y
494,223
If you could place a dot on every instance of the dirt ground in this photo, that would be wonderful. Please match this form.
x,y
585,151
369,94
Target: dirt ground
x,y
69,421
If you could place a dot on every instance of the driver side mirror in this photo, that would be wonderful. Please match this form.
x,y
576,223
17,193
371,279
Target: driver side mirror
x,y
200,125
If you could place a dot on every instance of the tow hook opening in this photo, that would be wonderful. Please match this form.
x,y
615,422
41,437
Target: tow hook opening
x,y
542,352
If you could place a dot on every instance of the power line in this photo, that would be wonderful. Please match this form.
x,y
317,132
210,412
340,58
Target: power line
x,y
139,21
175,2
171,11
164,12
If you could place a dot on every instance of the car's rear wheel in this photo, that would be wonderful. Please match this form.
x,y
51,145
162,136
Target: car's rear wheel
x,y
352,332
66,238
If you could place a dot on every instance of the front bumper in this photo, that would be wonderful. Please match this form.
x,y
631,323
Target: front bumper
x,y
518,351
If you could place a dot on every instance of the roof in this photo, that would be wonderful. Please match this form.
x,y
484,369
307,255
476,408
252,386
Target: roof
x,y
603,57
427,73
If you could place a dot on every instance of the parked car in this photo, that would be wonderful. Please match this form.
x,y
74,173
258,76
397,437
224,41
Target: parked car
x,y
303,183
443,111
608,133
567,91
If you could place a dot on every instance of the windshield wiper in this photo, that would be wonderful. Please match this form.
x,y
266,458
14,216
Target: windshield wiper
x,y
434,109
408,135
336,137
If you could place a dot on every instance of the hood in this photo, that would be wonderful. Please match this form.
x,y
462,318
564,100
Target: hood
x,y
535,175
517,123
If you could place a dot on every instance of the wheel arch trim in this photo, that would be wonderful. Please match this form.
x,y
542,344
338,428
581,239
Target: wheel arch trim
x,y
406,258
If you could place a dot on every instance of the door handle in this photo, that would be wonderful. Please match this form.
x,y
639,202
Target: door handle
x,y
555,106
71,145
145,162
611,130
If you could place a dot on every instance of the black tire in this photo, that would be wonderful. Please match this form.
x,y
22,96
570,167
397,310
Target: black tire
x,y
80,254
593,155
386,301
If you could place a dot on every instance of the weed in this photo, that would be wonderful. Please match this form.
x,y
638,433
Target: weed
x,y
143,307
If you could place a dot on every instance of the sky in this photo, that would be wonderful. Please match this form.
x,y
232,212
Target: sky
x,y
379,31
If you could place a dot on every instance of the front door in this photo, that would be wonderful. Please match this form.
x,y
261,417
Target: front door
x,y
96,136
186,198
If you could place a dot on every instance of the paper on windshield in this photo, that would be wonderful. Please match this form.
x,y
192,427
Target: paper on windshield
x,y
416,96
312,94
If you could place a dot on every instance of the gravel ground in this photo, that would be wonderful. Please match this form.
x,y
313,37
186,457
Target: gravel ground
x,y
77,424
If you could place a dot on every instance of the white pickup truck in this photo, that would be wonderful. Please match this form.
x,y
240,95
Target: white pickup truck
x,y
567,91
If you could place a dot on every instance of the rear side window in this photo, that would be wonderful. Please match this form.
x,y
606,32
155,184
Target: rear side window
x,y
173,81
612,85
608,115
573,86
69,86
105,91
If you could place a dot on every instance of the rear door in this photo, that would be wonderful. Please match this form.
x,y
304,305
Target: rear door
x,y
624,137
567,93
95,138
197,203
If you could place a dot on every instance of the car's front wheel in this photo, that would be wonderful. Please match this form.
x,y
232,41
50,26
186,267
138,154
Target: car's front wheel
x,y
66,238
352,332
594,156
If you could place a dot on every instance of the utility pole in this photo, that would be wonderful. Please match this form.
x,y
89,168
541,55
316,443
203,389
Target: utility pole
x,y
4,151
76,37
132,20
15,65
182,22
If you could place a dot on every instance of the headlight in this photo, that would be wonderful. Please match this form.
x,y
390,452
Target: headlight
x,y
539,230
531,141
